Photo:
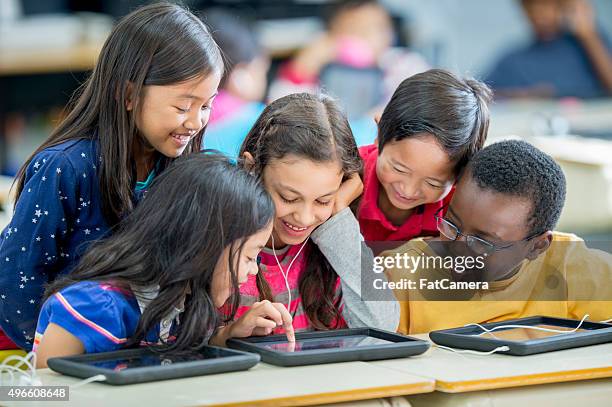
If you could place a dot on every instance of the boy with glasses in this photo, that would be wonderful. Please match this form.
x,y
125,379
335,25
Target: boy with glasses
x,y
505,207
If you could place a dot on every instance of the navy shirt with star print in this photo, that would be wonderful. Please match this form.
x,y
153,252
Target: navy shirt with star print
x,y
57,216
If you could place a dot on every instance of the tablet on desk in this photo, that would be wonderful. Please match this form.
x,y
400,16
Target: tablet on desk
x,y
526,341
145,365
343,345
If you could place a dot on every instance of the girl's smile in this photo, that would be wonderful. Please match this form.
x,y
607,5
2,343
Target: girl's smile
x,y
172,115
183,139
302,202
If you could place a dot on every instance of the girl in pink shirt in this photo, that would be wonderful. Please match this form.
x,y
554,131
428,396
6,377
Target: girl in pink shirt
x,y
303,150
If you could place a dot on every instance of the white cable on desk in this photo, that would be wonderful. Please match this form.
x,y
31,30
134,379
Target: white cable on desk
x,y
537,328
27,379
96,378
474,352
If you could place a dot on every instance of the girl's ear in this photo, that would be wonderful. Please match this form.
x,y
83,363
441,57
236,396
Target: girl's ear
x,y
129,96
541,244
249,161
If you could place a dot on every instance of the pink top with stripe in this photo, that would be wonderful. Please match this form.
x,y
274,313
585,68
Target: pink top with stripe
x,y
269,268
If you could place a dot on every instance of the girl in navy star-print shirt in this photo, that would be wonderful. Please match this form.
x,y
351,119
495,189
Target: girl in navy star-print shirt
x,y
147,101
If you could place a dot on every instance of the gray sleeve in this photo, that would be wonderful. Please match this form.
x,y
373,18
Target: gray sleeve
x,y
342,245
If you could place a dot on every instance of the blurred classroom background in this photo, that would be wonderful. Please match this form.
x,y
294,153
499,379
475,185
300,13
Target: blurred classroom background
x,y
549,62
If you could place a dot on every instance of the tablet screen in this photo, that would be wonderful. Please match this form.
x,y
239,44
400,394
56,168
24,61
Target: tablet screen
x,y
151,359
526,334
352,341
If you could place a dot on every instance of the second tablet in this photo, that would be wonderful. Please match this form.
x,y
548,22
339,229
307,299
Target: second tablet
x,y
344,345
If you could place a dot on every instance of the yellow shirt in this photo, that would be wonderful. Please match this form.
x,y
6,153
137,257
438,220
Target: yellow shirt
x,y
568,273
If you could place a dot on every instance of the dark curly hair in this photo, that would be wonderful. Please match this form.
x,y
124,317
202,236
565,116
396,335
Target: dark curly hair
x,y
519,169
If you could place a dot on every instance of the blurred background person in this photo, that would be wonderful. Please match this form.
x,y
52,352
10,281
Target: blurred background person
x,y
242,90
354,59
568,56
357,34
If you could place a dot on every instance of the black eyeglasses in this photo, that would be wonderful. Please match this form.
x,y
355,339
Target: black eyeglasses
x,y
476,244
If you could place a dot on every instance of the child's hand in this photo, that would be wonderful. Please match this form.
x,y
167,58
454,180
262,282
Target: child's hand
x,y
581,18
261,320
350,190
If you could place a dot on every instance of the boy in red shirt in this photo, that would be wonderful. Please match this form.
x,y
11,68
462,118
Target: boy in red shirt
x,y
430,129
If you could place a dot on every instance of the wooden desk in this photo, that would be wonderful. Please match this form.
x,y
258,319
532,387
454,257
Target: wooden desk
x,y
585,393
529,118
81,57
263,385
458,379
585,160
456,373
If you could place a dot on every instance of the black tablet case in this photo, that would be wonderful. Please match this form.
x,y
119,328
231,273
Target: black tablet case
x,y
462,338
225,360
403,346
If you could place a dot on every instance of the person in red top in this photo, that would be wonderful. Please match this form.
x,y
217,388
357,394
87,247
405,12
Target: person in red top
x,y
427,133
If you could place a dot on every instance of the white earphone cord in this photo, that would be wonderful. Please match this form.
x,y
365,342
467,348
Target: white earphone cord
x,y
286,274
473,352
29,376
537,328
